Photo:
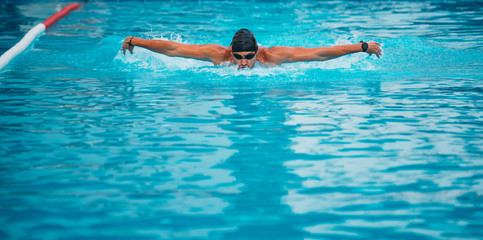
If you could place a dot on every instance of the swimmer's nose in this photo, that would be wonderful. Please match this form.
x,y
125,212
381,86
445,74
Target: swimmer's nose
x,y
244,63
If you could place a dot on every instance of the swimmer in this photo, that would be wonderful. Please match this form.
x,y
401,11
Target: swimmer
x,y
244,51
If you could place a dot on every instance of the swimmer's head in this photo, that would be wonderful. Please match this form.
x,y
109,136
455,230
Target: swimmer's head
x,y
244,41
244,48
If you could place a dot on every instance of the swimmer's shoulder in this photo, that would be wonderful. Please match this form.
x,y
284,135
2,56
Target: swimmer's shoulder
x,y
216,53
269,55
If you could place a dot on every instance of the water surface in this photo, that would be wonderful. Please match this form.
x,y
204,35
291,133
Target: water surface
x,y
97,145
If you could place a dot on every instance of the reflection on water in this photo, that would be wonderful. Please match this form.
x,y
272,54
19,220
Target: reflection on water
x,y
261,140
390,160
95,144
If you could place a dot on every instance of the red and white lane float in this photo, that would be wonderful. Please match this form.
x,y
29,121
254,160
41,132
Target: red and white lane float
x,y
33,33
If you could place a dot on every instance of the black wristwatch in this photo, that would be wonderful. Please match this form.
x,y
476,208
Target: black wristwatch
x,y
365,46
130,40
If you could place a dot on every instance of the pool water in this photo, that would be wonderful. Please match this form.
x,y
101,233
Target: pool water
x,y
98,145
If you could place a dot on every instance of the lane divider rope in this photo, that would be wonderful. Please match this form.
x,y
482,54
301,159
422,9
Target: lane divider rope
x,y
33,33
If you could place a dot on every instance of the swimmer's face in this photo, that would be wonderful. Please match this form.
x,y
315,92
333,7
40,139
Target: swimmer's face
x,y
245,59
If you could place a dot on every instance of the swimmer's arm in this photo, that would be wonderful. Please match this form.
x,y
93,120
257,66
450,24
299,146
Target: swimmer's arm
x,y
280,55
209,52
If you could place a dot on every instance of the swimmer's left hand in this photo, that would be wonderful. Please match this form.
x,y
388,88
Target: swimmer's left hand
x,y
374,48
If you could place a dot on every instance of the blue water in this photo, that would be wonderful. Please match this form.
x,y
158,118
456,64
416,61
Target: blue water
x,y
97,145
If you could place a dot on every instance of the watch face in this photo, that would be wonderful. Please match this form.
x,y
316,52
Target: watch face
x,y
365,46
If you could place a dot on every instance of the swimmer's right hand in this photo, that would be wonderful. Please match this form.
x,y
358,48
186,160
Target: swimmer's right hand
x,y
374,48
127,44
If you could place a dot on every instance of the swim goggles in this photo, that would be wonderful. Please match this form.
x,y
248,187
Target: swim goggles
x,y
248,56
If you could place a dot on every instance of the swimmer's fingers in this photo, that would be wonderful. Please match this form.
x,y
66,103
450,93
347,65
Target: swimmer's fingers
x,y
379,50
125,46
374,48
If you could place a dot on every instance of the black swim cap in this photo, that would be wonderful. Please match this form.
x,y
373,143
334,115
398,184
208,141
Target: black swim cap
x,y
244,41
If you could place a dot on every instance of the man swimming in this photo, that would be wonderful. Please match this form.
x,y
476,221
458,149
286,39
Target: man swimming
x,y
244,51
